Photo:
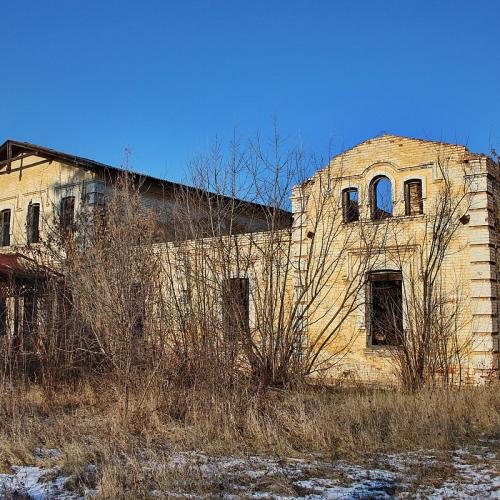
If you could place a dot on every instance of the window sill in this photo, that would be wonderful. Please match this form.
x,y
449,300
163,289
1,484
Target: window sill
x,y
380,221
381,350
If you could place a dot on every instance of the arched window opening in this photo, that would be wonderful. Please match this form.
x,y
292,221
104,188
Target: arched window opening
x,y
381,198
350,204
413,197
385,319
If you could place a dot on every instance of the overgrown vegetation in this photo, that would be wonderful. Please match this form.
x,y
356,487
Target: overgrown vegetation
x,y
84,421
141,349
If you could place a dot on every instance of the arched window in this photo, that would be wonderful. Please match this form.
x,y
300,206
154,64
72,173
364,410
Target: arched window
x,y
413,197
350,204
381,198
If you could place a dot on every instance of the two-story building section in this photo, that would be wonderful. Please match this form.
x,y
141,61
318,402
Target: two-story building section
x,y
394,244
413,197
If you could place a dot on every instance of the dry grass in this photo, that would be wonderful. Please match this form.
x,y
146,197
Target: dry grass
x,y
86,424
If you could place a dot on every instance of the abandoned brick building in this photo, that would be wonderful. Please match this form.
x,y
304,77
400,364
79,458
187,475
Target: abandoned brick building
x,y
386,182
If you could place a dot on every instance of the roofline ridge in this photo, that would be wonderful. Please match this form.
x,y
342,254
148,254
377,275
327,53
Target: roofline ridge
x,y
95,164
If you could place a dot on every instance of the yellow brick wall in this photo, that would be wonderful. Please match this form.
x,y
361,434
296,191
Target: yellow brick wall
x,y
37,180
469,266
471,263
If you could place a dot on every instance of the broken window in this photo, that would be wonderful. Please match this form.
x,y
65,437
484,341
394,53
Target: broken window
x,y
33,223
381,198
385,308
67,214
5,221
350,204
236,306
413,197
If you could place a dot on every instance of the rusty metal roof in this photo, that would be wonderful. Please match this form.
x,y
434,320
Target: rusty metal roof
x,y
17,265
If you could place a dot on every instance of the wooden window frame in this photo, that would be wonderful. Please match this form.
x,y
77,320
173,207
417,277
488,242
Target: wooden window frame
x,y
408,206
33,223
67,218
349,213
387,276
6,216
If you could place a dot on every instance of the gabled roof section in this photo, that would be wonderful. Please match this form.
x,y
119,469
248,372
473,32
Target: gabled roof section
x,y
11,150
388,137
376,149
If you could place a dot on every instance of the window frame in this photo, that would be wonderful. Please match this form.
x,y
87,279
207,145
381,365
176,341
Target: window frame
x,y
375,211
5,227
33,230
4,316
406,192
230,306
67,225
386,275
347,207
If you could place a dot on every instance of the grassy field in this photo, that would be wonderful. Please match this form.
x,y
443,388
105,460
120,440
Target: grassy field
x,y
99,447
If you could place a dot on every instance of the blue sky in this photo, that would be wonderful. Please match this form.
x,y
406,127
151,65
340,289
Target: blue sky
x,y
165,78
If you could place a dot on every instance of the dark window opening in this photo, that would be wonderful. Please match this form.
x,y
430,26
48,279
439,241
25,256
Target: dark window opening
x,y
385,308
16,316
137,310
100,216
29,321
236,307
350,204
95,202
67,214
413,197
3,316
381,198
5,220
33,223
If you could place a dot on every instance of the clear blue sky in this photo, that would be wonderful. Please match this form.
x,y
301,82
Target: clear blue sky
x,y
163,78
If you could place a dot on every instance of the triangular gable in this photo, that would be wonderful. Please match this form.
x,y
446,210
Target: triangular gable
x,y
402,140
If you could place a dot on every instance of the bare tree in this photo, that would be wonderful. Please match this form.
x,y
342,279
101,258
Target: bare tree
x,y
433,342
290,297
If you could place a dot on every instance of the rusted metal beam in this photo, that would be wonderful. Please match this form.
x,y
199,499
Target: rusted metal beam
x,y
9,160
9,170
